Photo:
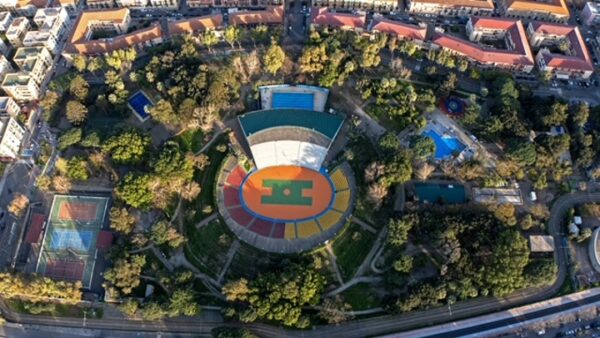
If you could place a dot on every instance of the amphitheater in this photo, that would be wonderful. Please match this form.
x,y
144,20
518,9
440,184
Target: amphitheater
x,y
286,200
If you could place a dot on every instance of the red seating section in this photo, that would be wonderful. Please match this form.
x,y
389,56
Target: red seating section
x,y
261,227
236,177
232,196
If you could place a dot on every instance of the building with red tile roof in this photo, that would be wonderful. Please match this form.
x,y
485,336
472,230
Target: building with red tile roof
x,y
269,16
115,21
549,10
375,5
517,56
398,29
195,25
574,62
451,7
323,17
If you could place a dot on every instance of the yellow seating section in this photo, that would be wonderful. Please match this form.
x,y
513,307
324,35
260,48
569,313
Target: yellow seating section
x,y
290,231
342,201
339,180
308,229
329,219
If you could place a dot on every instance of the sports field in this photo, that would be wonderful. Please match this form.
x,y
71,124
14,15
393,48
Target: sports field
x,y
69,245
286,193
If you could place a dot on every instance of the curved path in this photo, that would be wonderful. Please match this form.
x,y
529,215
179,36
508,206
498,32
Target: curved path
x,y
358,328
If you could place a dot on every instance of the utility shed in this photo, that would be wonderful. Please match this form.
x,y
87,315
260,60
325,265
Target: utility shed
x,y
539,243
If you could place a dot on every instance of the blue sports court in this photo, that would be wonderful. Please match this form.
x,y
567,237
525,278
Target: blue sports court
x,y
293,100
78,240
140,104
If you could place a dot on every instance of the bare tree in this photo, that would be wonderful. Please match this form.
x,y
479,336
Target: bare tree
x,y
424,170
18,205
376,193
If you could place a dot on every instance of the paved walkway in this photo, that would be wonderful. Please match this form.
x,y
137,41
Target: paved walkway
x,y
334,265
352,282
207,220
366,264
230,254
363,224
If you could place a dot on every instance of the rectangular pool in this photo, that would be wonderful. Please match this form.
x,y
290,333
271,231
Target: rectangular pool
x,y
140,104
436,192
293,100
444,145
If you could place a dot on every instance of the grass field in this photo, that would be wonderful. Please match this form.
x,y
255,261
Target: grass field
x,y
351,248
248,261
207,247
361,297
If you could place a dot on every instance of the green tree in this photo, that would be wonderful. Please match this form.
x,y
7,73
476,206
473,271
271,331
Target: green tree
x,y
76,112
448,85
163,112
541,272
274,58
163,232
279,297
69,138
153,311
403,264
580,114
95,64
398,229
80,63
121,60
521,151
135,191
77,169
182,303
422,146
335,310
129,147
49,105
389,144
209,38
232,35
313,59
125,274
121,220
91,140
129,307
79,88
43,183
557,115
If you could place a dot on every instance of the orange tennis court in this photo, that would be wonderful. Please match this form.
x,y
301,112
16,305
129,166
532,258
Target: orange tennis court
x,y
287,193
81,211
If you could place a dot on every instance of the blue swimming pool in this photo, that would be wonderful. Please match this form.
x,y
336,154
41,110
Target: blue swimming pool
x,y
140,104
293,100
444,146
446,193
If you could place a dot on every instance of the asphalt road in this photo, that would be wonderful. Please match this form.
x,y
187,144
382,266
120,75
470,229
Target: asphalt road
x,y
364,327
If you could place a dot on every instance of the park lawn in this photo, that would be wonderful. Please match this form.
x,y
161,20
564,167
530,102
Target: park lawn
x,y
60,310
207,179
204,249
248,262
351,248
190,140
362,297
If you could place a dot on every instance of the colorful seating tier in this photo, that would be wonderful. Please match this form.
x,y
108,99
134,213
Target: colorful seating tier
x,y
342,201
330,219
261,227
231,196
340,182
236,177
308,229
290,231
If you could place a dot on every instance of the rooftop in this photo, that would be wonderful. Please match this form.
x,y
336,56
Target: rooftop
x,y
541,243
520,55
325,123
555,7
594,7
271,15
87,18
484,4
580,57
202,23
14,79
322,16
399,29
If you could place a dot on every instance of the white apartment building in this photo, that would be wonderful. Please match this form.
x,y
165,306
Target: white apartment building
x,y
21,87
12,136
17,30
591,13
9,107
5,66
170,4
132,3
5,20
3,47
36,61
23,7
73,7
53,24
97,4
